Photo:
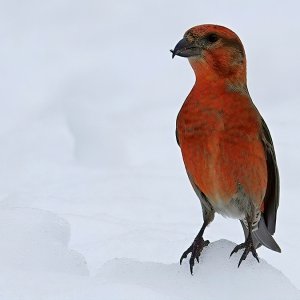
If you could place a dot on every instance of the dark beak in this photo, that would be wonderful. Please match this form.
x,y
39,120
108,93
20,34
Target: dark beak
x,y
185,48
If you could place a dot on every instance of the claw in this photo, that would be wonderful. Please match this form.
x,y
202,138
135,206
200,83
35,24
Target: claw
x,y
195,249
237,248
254,253
243,257
248,246
185,253
191,265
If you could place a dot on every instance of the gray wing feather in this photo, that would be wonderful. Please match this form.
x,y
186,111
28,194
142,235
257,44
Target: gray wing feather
x,y
177,139
271,200
207,209
262,236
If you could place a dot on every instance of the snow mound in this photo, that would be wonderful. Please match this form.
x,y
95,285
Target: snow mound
x,y
215,277
37,240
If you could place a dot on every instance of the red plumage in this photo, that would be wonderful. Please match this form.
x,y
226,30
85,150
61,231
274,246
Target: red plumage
x,y
226,146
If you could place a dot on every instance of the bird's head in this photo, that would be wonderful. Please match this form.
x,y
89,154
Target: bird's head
x,y
213,51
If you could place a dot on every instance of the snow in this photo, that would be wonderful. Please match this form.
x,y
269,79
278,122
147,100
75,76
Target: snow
x,y
37,240
171,282
123,278
94,199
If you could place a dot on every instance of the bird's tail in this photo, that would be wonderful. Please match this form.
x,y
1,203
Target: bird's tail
x,y
262,236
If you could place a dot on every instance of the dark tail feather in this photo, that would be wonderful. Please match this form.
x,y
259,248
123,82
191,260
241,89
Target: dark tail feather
x,y
262,236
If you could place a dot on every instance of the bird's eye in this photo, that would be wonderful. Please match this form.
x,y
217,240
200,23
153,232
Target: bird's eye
x,y
212,38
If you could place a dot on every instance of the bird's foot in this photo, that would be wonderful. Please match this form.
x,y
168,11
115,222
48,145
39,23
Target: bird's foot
x,y
195,249
248,246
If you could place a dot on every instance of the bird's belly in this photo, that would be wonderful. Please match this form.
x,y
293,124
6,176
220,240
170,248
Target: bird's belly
x,y
231,172
228,209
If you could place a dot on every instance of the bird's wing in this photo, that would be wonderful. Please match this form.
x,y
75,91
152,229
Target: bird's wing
x,y
177,139
271,200
206,206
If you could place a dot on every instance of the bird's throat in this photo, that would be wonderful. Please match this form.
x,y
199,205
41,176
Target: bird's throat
x,y
208,74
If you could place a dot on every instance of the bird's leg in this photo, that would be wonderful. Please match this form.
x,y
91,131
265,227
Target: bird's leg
x,y
247,245
196,248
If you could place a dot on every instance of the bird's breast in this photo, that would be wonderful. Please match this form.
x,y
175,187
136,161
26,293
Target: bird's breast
x,y
221,149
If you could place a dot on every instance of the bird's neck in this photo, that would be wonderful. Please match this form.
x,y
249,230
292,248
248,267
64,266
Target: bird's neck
x,y
221,79
212,90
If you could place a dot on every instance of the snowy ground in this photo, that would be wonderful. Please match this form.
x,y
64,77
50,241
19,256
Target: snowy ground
x,y
94,200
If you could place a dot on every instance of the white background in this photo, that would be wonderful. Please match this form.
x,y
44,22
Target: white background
x,y
89,95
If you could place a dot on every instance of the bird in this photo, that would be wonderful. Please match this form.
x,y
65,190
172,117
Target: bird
x,y
226,146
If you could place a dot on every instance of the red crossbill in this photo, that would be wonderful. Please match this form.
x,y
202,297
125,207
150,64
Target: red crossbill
x,y
226,145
